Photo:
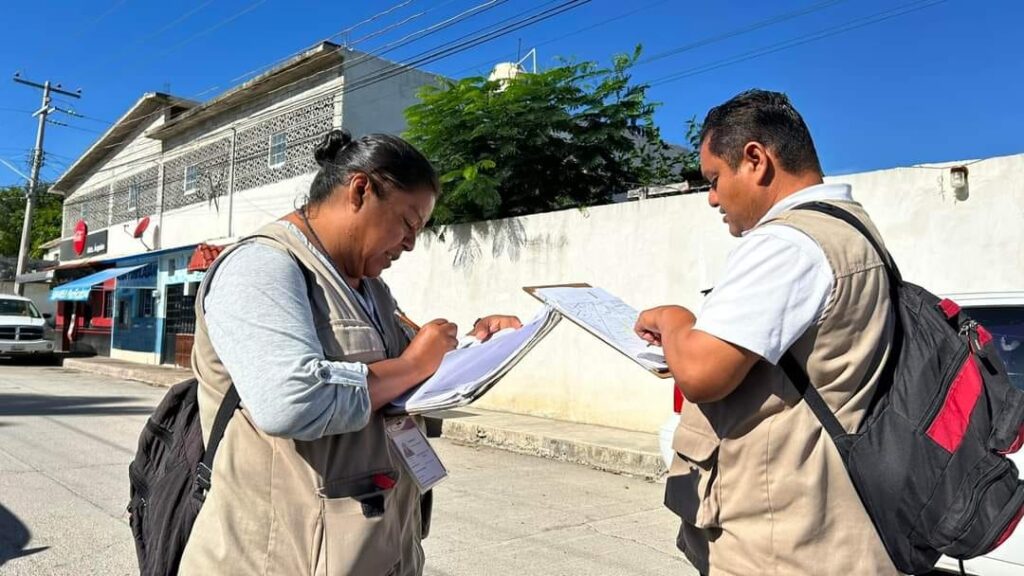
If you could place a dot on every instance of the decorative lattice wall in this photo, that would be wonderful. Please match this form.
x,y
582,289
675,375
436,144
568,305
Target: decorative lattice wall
x,y
304,128
212,160
146,183
93,207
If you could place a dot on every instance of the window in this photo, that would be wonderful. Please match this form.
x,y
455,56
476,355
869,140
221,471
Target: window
x,y
146,304
191,178
108,304
133,196
123,317
18,308
172,266
278,144
1006,323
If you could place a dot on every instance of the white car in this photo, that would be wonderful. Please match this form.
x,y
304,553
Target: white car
x,y
23,330
1002,313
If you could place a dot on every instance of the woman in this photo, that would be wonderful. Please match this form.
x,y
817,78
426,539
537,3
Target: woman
x,y
305,480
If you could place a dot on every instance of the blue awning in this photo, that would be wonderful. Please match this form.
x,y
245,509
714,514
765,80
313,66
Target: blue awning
x,y
78,290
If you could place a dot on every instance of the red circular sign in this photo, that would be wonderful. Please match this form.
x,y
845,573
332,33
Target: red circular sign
x,y
78,240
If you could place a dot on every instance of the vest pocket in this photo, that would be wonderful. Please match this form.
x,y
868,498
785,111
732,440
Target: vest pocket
x,y
691,490
351,341
357,534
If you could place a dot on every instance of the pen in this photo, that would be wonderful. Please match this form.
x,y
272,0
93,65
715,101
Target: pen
x,y
406,321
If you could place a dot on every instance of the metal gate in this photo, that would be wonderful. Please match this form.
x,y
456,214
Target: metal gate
x,y
179,327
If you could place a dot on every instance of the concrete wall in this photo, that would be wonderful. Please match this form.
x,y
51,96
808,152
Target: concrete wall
x,y
666,250
950,244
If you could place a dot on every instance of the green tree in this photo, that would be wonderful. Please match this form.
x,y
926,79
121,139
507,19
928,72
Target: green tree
x,y
570,136
691,160
46,220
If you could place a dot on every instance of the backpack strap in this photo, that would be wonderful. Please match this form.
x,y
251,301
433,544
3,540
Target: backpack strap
x,y
796,373
231,401
228,405
895,278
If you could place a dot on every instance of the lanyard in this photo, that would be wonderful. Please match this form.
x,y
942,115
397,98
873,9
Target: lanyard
x,y
363,301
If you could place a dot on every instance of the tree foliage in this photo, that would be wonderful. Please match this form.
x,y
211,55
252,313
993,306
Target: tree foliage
x,y
46,220
570,136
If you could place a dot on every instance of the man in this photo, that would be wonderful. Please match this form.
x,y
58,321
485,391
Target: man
x,y
758,484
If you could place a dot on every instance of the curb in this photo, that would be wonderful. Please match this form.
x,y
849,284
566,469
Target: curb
x,y
152,375
606,457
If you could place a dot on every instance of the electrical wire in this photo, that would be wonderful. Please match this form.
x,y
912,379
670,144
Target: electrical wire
x,y
800,40
438,53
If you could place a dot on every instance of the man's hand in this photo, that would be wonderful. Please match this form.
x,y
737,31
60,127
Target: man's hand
x,y
489,325
654,324
705,368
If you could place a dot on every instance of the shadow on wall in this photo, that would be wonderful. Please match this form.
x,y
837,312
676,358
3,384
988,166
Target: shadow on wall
x,y
507,238
14,535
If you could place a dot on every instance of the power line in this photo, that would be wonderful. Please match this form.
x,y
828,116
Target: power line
x,y
442,51
569,34
80,30
740,31
412,37
387,48
347,30
37,163
184,16
216,26
800,40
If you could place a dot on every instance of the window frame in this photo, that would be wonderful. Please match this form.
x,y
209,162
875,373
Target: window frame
x,y
195,183
283,152
134,191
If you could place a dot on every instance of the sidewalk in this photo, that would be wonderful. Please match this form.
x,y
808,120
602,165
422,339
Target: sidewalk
x,y
600,447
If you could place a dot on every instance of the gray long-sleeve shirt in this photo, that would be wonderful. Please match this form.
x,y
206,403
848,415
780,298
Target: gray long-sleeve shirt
x,y
260,324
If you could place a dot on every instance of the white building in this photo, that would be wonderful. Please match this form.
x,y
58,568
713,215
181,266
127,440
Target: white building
x,y
153,200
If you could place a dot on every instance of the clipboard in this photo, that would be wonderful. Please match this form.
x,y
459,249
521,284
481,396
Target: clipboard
x,y
532,291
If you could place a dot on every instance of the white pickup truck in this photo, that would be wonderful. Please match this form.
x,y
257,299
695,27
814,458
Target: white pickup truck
x,y
23,330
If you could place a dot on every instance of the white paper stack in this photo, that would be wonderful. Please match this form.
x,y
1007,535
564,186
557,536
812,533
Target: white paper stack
x,y
468,372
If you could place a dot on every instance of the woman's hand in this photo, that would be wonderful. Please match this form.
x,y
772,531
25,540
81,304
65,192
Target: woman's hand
x,y
435,339
489,325
388,379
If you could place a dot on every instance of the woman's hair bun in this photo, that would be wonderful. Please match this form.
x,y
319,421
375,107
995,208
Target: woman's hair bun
x,y
333,142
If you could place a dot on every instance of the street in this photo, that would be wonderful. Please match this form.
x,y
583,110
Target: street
x,y
66,439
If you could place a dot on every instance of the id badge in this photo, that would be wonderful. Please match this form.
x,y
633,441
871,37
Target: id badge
x,y
416,453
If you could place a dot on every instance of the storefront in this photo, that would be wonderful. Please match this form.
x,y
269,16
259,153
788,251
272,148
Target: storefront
x,y
86,309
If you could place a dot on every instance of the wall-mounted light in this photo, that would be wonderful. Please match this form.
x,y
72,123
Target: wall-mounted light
x,y
958,177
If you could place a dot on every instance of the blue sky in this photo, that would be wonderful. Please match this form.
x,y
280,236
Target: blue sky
x,y
943,81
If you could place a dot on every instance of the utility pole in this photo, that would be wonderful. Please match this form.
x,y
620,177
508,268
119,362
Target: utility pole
x,y
37,164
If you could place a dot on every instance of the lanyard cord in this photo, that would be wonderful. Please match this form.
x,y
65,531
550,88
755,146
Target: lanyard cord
x,y
372,314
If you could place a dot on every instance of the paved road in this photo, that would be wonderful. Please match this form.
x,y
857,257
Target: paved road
x,y
66,439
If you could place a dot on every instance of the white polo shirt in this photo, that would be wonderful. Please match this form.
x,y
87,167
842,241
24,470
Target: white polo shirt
x,y
776,284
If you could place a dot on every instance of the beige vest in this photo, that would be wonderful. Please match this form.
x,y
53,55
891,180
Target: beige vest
x,y
758,483
288,507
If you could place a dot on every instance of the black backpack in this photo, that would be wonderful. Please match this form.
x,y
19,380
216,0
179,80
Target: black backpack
x,y
171,473
170,476
929,460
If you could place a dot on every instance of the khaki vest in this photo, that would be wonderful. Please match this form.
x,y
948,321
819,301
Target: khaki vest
x,y
758,483
286,507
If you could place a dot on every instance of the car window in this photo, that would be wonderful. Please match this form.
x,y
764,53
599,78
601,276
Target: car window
x,y
18,308
1006,323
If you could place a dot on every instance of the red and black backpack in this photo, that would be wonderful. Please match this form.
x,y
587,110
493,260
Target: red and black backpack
x,y
929,459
